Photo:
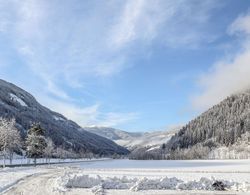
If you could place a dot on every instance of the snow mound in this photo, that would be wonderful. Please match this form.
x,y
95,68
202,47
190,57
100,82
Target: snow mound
x,y
98,183
13,97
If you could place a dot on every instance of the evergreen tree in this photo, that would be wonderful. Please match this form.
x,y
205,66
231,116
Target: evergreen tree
x,y
36,142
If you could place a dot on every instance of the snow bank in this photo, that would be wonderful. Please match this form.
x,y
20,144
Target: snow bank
x,y
98,183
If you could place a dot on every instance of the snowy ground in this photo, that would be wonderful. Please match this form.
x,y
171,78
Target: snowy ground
x,y
129,177
11,176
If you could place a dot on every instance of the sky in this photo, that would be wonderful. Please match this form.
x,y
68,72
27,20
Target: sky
x,y
136,65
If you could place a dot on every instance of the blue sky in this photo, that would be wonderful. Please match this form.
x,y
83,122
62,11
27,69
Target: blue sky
x,y
137,65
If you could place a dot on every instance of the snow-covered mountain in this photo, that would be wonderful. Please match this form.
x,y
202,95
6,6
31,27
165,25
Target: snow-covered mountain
x,y
19,104
223,130
150,140
112,133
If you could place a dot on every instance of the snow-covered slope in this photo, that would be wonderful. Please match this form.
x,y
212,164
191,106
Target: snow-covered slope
x,y
113,134
19,104
151,140
224,125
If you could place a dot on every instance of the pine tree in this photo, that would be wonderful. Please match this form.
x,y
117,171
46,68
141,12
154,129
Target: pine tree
x,y
35,142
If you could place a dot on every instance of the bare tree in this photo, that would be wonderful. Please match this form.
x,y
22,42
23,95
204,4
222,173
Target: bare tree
x,y
49,150
10,139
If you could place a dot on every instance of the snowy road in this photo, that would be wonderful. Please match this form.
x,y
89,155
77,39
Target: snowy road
x,y
39,184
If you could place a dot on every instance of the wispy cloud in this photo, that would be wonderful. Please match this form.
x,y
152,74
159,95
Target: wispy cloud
x,y
139,20
90,115
229,75
53,36
166,21
241,25
64,43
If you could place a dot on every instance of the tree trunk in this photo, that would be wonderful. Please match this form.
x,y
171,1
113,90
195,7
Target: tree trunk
x,y
4,151
11,158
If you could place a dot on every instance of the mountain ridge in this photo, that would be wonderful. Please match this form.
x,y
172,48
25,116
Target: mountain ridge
x,y
21,105
132,140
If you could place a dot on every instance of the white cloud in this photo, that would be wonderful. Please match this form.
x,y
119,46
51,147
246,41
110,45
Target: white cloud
x,y
166,21
53,89
240,25
124,30
230,75
55,39
112,119
139,20
89,115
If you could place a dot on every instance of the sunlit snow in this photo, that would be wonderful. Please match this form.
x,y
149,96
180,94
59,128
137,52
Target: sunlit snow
x,y
17,99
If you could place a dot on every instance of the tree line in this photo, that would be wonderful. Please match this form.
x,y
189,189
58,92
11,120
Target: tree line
x,y
35,145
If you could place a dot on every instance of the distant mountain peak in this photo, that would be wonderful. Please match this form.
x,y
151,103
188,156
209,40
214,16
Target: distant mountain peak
x,y
133,140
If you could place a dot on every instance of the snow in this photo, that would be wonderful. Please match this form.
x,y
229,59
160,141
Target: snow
x,y
17,99
173,165
149,140
153,148
57,118
137,183
19,160
1,102
131,177
134,176
11,176
145,140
